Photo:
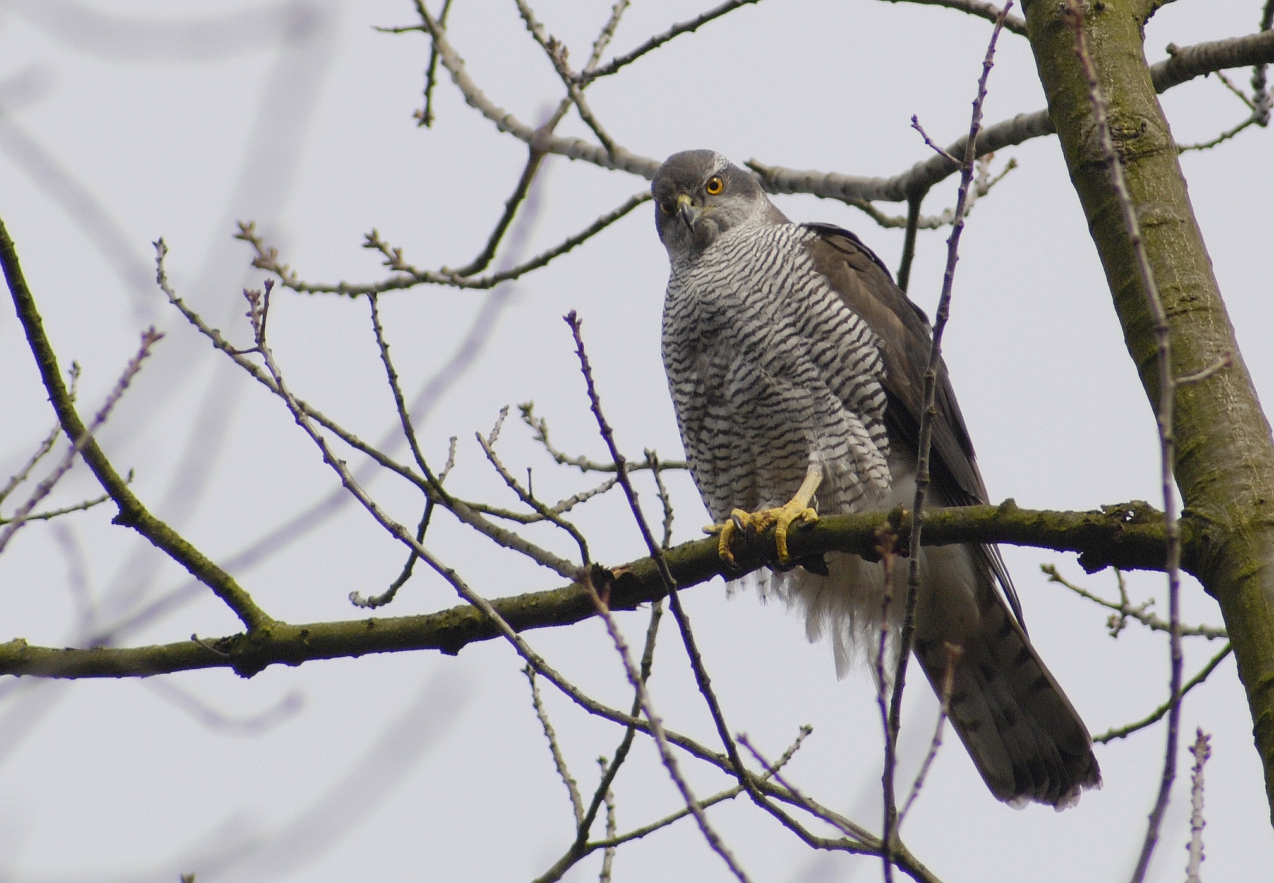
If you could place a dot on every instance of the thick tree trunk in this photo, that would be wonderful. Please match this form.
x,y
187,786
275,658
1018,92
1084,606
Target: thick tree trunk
x,y
1225,454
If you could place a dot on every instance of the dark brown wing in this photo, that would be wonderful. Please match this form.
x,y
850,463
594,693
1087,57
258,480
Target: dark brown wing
x,y
867,288
1020,729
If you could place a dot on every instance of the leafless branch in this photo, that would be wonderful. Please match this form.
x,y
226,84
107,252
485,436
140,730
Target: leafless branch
x,y
24,472
20,517
1125,610
267,258
524,494
923,447
1158,713
988,11
655,42
661,740
572,787
944,710
702,680
463,512
539,426
426,114
132,512
83,506
1201,751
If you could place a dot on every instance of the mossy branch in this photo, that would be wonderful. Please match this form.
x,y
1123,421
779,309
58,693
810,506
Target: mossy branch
x,y
1129,536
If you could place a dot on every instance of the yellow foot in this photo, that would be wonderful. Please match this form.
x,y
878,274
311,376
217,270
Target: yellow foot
x,y
783,518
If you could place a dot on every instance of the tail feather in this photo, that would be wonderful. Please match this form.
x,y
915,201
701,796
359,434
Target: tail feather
x,y
1023,734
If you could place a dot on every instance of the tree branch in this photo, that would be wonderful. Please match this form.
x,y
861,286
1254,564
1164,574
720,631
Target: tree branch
x,y
131,511
1129,537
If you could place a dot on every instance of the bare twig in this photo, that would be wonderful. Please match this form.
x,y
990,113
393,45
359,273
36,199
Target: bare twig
x,y
1219,139
371,603
652,460
608,853
944,710
923,446
1158,713
656,552
267,258
82,506
988,11
581,847
661,740
1167,442
132,513
1201,751
525,495
655,42
463,512
572,787
540,427
23,473
20,517
1124,610
556,53
426,114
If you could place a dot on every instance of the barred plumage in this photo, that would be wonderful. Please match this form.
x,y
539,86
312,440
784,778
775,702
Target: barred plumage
x,y
796,368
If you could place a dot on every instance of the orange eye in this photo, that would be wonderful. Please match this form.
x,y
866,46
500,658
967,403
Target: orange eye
x,y
714,186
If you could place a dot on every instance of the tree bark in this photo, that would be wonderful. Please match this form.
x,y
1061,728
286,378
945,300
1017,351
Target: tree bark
x,y
1225,454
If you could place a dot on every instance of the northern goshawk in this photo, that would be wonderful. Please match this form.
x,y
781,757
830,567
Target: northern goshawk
x,y
796,368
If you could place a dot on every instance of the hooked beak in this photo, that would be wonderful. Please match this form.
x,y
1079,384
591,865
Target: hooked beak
x,y
687,211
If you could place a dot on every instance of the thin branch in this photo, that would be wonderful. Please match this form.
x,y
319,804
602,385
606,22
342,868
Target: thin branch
x,y
572,787
923,447
525,495
556,53
1201,751
1164,406
83,506
702,680
580,847
356,598
1124,610
267,258
1154,716
658,40
535,158
661,740
988,11
426,114
606,34
1184,65
652,460
24,472
131,511
948,680
464,513
540,427
608,853
1219,139
23,514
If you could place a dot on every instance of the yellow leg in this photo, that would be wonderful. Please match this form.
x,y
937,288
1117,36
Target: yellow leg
x,y
796,509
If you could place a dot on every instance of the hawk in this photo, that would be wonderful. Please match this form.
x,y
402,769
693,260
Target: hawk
x,y
796,368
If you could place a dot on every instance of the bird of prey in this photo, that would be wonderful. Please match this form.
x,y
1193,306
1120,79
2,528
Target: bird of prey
x,y
796,368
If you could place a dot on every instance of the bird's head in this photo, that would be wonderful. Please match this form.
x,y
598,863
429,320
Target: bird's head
x,y
699,194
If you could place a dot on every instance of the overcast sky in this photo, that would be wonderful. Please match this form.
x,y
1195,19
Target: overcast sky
x,y
128,121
